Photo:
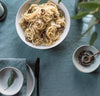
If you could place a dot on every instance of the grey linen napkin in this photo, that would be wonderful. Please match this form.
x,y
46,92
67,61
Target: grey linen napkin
x,y
19,63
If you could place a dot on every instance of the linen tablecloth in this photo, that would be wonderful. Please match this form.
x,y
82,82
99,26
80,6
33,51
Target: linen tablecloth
x,y
58,76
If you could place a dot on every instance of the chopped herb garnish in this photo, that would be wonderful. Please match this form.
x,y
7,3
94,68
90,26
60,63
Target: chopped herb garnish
x,y
60,15
30,11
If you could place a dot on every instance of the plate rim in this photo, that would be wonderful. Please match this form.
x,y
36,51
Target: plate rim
x,y
33,77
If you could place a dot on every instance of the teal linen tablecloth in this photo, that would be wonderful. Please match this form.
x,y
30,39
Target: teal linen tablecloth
x,y
58,76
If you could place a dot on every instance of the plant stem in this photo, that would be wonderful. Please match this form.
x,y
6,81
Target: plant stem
x,y
6,88
92,12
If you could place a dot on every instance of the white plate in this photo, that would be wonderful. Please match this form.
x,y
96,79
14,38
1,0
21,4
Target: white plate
x,y
30,81
16,87
20,32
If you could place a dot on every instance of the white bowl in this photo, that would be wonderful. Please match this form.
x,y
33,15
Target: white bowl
x,y
17,84
90,68
22,10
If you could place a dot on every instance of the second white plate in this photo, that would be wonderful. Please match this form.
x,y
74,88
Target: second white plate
x,y
30,81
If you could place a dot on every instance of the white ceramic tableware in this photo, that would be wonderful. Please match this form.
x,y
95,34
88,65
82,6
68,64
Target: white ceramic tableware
x,y
17,84
82,68
22,10
1,10
30,81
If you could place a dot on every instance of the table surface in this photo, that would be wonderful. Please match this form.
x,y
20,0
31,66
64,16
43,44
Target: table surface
x,y
58,76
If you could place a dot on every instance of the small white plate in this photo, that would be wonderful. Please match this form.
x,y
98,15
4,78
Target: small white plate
x,y
4,75
17,84
90,68
30,81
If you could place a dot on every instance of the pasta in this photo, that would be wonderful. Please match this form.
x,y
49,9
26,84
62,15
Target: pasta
x,y
43,24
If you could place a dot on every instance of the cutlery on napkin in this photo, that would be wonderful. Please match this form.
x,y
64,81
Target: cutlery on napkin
x,y
37,72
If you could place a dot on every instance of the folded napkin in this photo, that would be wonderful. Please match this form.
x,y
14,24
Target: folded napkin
x,y
17,63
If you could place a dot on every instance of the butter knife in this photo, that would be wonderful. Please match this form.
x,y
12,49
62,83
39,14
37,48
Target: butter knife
x,y
37,73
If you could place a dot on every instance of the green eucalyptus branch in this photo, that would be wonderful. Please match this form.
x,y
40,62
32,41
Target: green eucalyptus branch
x,y
86,8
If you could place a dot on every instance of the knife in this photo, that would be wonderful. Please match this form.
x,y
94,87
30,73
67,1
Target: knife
x,y
37,72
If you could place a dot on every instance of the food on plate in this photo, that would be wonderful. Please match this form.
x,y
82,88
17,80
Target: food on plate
x,y
82,58
43,24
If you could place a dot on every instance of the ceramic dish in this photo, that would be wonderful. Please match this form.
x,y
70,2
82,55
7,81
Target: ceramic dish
x,y
15,87
22,10
82,68
30,81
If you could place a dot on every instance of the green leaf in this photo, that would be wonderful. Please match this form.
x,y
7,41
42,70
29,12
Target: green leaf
x,y
43,1
59,1
80,15
89,5
88,30
11,79
93,38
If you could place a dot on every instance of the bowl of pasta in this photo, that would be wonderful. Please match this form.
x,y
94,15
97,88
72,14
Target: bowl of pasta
x,y
43,26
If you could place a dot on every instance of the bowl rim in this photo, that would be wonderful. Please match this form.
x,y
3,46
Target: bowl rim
x,y
9,67
56,43
79,69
